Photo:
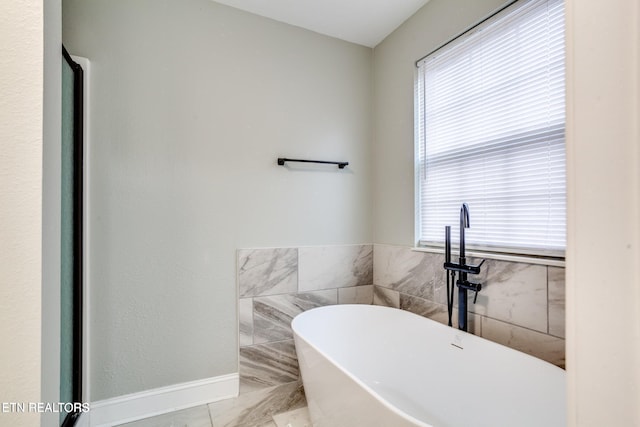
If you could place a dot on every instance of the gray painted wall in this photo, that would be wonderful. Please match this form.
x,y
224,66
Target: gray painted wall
x,y
436,23
51,199
191,104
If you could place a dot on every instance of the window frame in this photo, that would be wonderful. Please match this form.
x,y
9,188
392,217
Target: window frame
x,y
552,257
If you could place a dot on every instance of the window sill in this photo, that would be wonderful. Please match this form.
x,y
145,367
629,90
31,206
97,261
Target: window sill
x,y
528,259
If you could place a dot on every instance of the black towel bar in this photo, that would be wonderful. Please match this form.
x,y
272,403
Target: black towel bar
x,y
282,160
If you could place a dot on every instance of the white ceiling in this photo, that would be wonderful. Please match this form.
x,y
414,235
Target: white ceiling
x,y
365,22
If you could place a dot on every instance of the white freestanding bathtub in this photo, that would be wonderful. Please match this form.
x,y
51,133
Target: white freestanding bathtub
x,y
366,366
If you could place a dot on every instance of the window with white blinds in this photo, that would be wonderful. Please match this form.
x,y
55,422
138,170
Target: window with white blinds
x,y
490,125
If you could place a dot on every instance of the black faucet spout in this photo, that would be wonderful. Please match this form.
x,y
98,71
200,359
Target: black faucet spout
x,y
464,223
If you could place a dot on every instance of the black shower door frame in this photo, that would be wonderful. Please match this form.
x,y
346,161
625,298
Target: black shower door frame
x,y
78,206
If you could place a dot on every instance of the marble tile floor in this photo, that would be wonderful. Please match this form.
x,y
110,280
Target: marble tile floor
x,y
281,406
199,416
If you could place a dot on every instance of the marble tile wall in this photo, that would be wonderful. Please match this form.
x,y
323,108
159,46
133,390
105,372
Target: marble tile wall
x,y
274,285
520,305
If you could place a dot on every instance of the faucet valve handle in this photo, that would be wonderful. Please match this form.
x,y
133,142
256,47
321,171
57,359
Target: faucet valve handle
x,y
476,268
475,297
475,287
470,286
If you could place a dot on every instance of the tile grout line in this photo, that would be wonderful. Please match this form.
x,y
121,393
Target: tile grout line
x,y
548,310
210,415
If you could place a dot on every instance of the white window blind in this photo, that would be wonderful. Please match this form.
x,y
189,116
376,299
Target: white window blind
x,y
490,117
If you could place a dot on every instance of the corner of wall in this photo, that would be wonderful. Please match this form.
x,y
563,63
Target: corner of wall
x,y
51,207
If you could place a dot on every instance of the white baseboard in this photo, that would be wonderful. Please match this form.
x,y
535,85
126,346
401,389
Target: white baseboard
x,y
145,404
